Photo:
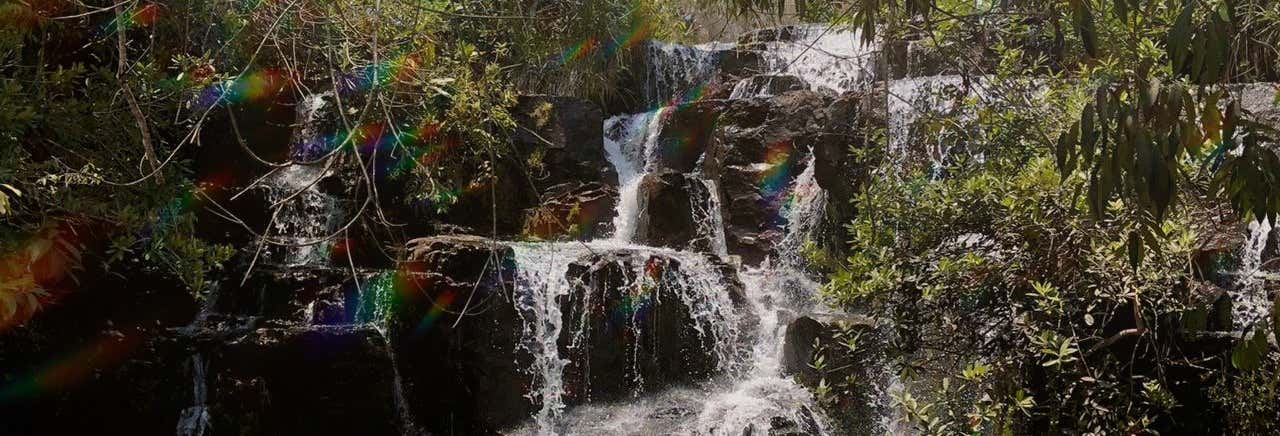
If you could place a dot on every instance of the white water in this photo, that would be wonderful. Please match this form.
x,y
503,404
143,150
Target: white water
x,y
630,145
751,390
674,69
306,214
824,57
908,99
1249,293
195,419
542,282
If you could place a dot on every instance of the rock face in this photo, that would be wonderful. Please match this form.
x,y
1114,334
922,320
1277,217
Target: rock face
x,y
627,327
807,338
574,210
630,329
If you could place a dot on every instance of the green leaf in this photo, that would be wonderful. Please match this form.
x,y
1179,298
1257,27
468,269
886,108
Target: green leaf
x,y
1247,354
1275,316
1179,36
1136,250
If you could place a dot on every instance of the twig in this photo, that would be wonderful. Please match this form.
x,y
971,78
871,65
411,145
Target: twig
x,y
148,149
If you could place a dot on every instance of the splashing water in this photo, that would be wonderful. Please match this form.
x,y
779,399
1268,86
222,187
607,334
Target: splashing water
x,y
306,214
1248,292
673,69
195,419
826,58
630,144
542,282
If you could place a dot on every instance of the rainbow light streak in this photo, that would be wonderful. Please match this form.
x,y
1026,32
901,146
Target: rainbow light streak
x,y
438,307
591,44
579,50
639,298
70,369
381,74
257,86
773,180
134,17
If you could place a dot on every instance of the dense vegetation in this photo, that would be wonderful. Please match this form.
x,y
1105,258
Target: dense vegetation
x,y
427,84
1041,276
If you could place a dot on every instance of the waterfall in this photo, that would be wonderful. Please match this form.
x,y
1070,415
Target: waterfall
x,y
673,68
825,57
542,283
1248,290
195,419
779,290
706,204
630,144
306,214
908,99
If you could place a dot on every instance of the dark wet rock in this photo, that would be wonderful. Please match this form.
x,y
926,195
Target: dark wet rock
x,y
115,381
332,380
628,330
282,296
771,84
773,34
742,63
564,134
573,210
687,134
313,380
467,374
666,217
808,337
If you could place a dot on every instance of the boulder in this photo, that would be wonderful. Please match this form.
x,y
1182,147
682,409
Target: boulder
x,y
573,210
305,380
860,371
467,373
626,327
560,140
631,327
667,217
740,63
281,296
302,380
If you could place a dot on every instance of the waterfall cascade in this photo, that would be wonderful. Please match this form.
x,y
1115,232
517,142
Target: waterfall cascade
x,y
751,393
307,216
1247,290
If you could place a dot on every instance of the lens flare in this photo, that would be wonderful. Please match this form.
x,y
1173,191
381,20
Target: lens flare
x,y
773,180
71,369
258,86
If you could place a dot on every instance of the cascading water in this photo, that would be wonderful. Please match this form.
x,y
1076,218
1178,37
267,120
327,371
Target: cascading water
x,y
907,100
195,418
542,284
751,394
306,215
823,57
1251,303
673,68
630,143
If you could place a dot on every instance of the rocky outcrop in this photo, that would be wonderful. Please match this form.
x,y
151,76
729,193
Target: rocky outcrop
x,y
573,210
626,327
314,380
859,370
631,327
